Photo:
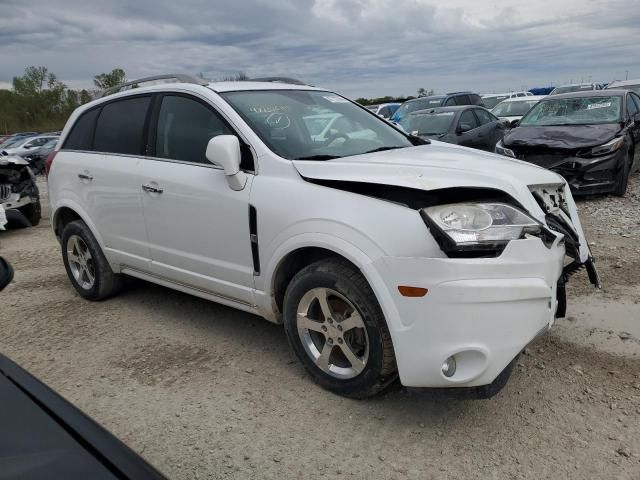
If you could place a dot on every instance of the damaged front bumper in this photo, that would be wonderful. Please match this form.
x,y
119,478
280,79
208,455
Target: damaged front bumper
x,y
585,176
483,311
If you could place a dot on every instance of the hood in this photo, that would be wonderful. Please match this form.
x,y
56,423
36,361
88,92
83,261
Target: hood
x,y
569,137
435,166
12,160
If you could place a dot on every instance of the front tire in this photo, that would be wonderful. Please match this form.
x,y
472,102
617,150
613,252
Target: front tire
x,y
337,330
33,212
86,265
623,177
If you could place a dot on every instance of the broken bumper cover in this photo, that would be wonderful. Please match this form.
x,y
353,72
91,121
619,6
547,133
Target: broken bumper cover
x,y
482,311
585,176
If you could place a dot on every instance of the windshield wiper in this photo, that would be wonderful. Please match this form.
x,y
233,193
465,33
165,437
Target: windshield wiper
x,y
319,157
382,149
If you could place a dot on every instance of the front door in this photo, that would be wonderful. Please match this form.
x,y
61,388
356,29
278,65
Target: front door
x,y
198,227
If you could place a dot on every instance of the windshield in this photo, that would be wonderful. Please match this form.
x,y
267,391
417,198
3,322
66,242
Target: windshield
x,y
313,125
574,111
571,88
431,123
490,102
513,109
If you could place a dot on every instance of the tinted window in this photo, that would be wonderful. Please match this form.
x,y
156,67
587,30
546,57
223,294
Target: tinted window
x,y
385,112
81,135
120,126
484,117
632,109
636,99
476,100
468,120
463,100
185,127
450,102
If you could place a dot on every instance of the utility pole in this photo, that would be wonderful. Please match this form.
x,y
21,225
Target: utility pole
x,y
626,77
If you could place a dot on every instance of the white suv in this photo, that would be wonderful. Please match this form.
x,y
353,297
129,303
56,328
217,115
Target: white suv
x,y
382,254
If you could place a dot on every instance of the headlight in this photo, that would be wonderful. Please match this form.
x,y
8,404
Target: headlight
x,y
502,150
608,147
473,226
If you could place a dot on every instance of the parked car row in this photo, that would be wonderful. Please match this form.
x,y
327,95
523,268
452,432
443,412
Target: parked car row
x,y
31,146
591,138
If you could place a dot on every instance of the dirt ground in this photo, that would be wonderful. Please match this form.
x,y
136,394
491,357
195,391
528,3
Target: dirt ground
x,y
205,391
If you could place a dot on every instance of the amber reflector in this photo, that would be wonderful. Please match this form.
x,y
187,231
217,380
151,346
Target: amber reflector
x,y
412,291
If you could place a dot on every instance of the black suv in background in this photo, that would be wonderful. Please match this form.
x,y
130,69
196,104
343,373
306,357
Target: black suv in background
x,y
423,103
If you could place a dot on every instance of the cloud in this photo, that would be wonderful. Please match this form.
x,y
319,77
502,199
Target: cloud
x,y
357,47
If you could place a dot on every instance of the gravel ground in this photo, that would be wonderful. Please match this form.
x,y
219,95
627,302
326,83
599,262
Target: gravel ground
x,y
204,391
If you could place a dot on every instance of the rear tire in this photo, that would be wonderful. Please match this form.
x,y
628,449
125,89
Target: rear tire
x,y
336,328
623,177
86,265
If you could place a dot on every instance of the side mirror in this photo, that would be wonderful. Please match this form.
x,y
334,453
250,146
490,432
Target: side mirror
x,y
26,147
515,123
224,151
462,128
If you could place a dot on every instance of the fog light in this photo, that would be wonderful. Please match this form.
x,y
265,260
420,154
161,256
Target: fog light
x,y
449,367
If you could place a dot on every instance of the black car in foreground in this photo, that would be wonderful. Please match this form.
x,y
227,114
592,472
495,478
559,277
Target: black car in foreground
x,y
469,126
590,138
42,436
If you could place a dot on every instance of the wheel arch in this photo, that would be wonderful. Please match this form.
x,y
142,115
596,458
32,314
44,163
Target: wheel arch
x,y
305,249
67,213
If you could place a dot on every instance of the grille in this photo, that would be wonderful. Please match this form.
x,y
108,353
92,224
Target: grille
x,y
5,192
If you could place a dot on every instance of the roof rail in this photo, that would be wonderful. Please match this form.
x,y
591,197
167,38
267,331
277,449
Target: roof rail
x,y
178,77
292,81
462,91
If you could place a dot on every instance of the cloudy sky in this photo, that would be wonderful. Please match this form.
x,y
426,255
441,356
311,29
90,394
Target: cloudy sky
x,y
356,47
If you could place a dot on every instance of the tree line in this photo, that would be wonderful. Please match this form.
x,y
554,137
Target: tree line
x,y
40,102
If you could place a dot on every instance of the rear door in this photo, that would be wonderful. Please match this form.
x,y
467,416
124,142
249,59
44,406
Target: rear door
x,y
102,156
198,227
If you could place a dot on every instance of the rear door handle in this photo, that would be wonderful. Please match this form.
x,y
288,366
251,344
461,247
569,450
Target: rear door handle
x,y
151,189
85,176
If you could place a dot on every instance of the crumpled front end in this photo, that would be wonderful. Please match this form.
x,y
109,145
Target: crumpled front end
x,y
480,312
18,189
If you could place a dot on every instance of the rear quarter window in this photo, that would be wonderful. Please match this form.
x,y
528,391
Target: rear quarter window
x,y
120,126
81,135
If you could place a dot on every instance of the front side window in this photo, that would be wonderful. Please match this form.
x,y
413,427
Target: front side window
x,y
184,129
484,117
463,100
315,125
574,111
632,109
467,121
120,126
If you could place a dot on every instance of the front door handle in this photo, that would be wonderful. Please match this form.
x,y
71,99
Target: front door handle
x,y
151,189
85,176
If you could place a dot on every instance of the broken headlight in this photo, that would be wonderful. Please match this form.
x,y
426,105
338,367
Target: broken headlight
x,y
502,150
478,226
608,147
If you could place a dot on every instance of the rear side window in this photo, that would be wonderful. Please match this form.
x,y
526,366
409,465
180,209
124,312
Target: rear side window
x,y
463,100
81,135
120,126
185,127
476,99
